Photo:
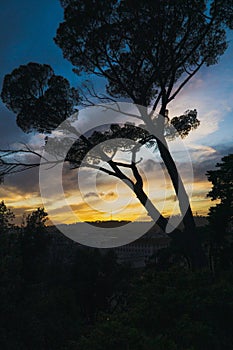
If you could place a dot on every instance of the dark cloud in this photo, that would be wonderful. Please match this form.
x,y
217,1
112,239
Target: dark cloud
x,y
150,165
91,194
109,195
105,195
26,182
172,198
71,178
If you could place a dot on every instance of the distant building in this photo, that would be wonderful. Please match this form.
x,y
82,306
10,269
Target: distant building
x,y
136,253
139,252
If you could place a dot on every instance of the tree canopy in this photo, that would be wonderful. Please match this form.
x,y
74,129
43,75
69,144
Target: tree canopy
x,y
147,51
222,180
36,220
6,218
221,215
141,47
41,99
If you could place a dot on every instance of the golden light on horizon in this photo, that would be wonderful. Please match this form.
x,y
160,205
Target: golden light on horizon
x,y
131,210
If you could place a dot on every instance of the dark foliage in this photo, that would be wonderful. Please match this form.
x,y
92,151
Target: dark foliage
x,y
221,215
51,299
99,307
143,47
6,218
41,99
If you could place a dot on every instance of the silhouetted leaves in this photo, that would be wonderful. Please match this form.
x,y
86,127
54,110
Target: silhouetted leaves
x,y
6,218
142,47
221,215
41,99
222,180
185,123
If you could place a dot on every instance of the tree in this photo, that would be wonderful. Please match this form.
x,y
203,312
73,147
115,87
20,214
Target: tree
x,y
86,147
35,221
34,92
222,181
6,218
103,146
34,241
221,216
145,58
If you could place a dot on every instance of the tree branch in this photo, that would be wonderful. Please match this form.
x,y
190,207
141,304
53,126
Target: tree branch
x,y
185,81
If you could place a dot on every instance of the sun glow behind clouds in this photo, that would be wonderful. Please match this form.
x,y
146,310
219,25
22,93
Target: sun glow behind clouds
x,y
111,199
213,112
133,211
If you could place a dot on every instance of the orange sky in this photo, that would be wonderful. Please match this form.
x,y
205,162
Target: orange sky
x,y
103,199
110,199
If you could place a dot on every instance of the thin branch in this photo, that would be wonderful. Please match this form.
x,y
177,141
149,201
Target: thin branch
x,y
92,92
156,103
93,166
125,165
186,80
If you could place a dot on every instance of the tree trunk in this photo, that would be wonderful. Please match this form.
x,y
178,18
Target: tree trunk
x,y
191,240
189,237
180,239
160,220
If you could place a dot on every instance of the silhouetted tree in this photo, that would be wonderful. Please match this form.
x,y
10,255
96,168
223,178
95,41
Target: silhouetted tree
x,y
35,221
147,51
34,92
34,241
125,138
222,181
6,218
221,216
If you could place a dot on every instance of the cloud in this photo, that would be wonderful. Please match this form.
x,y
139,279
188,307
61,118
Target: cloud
x,y
203,164
109,195
91,194
24,183
209,123
150,165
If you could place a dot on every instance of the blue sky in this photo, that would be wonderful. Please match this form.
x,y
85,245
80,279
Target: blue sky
x,y
27,31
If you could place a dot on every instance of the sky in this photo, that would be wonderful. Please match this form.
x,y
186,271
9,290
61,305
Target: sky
x,y
27,31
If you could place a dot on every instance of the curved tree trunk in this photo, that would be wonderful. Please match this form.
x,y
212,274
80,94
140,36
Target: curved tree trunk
x,y
189,238
160,220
